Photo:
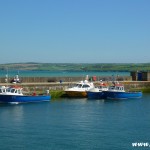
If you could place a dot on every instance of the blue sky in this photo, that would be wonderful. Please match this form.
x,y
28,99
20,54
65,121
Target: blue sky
x,y
75,31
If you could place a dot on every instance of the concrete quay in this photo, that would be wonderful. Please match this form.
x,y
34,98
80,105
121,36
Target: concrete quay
x,y
63,85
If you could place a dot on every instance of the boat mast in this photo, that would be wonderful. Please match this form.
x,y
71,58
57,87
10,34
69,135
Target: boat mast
x,y
6,77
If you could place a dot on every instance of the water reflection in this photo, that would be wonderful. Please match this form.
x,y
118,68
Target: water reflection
x,y
15,111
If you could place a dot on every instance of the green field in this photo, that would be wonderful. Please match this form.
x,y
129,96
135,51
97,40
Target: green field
x,y
77,66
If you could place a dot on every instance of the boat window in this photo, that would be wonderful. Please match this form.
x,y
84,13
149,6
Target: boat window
x,y
76,85
4,90
86,86
19,91
79,85
118,88
12,91
122,88
8,90
111,87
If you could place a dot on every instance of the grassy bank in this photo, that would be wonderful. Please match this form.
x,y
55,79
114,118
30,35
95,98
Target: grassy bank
x,y
146,90
56,93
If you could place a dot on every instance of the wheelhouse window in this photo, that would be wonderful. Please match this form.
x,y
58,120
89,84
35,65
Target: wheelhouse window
x,y
19,92
112,87
85,86
79,85
13,91
8,90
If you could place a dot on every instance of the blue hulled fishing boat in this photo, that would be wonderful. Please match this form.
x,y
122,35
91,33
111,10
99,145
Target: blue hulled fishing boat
x,y
117,92
97,92
15,95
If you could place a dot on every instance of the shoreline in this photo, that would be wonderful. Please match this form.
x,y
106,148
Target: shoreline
x,y
57,89
130,85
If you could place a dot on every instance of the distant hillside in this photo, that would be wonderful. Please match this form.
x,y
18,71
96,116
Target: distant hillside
x,y
76,66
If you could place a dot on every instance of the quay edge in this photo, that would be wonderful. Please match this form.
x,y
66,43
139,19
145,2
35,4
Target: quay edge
x,y
63,85
57,88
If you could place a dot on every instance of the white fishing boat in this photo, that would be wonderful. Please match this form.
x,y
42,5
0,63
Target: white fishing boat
x,y
79,89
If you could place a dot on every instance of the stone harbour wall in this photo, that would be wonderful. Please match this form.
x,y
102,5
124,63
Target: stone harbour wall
x,y
66,79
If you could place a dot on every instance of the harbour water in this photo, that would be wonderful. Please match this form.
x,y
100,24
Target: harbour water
x,y
72,124
28,73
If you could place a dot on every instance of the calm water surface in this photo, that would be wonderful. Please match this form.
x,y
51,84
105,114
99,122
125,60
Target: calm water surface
x,y
71,124
27,73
